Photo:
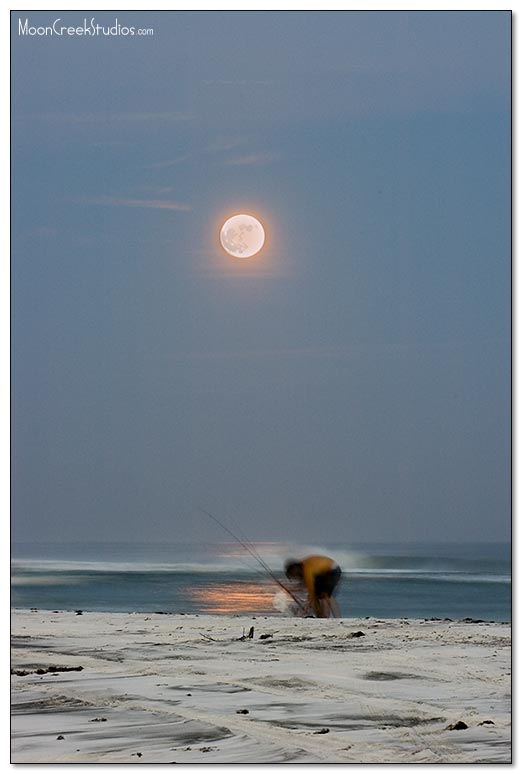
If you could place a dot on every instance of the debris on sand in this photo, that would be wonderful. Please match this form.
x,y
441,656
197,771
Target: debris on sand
x,y
458,726
249,636
45,670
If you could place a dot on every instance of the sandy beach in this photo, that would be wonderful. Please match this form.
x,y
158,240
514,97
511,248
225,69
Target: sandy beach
x,y
138,688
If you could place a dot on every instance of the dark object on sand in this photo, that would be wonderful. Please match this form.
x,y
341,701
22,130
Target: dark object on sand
x,y
45,670
322,731
249,636
242,712
78,612
487,723
60,737
357,634
472,620
98,720
387,676
458,726
265,636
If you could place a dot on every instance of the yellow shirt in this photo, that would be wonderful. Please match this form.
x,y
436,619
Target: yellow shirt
x,y
314,566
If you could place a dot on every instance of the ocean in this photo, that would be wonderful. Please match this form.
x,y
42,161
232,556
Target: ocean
x,y
387,581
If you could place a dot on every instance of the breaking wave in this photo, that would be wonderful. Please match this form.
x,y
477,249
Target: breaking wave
x,y
386,581
231,558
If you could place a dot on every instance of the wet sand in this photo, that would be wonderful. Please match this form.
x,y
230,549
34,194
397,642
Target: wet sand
x,y
138,688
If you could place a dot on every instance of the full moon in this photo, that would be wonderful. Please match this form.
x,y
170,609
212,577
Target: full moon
x,y
242,236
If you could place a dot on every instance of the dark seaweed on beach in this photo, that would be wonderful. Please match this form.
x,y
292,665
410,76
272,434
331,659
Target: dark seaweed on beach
x,y
458,726
45,670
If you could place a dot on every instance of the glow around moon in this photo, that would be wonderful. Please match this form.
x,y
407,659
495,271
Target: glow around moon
x,y
242,236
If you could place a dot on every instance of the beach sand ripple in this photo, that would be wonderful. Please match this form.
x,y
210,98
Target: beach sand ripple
x,y
192,689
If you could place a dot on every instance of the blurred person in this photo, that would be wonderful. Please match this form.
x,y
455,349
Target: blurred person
x,y
319,576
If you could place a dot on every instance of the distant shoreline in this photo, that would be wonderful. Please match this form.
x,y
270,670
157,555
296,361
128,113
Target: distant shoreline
x,y
254,616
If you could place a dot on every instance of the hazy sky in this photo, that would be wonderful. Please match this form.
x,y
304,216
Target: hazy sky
x,y
350,383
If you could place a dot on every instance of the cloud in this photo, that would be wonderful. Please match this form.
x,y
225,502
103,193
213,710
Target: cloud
x,y
153,204
157,190
111,144
168,162
218,150
231,82
219,146
225,144
107,117
261,354
250,160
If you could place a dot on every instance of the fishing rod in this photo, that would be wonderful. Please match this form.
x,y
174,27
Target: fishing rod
x,y
252,551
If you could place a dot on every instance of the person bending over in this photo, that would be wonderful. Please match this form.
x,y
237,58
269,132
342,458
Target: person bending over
x,y
319,576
